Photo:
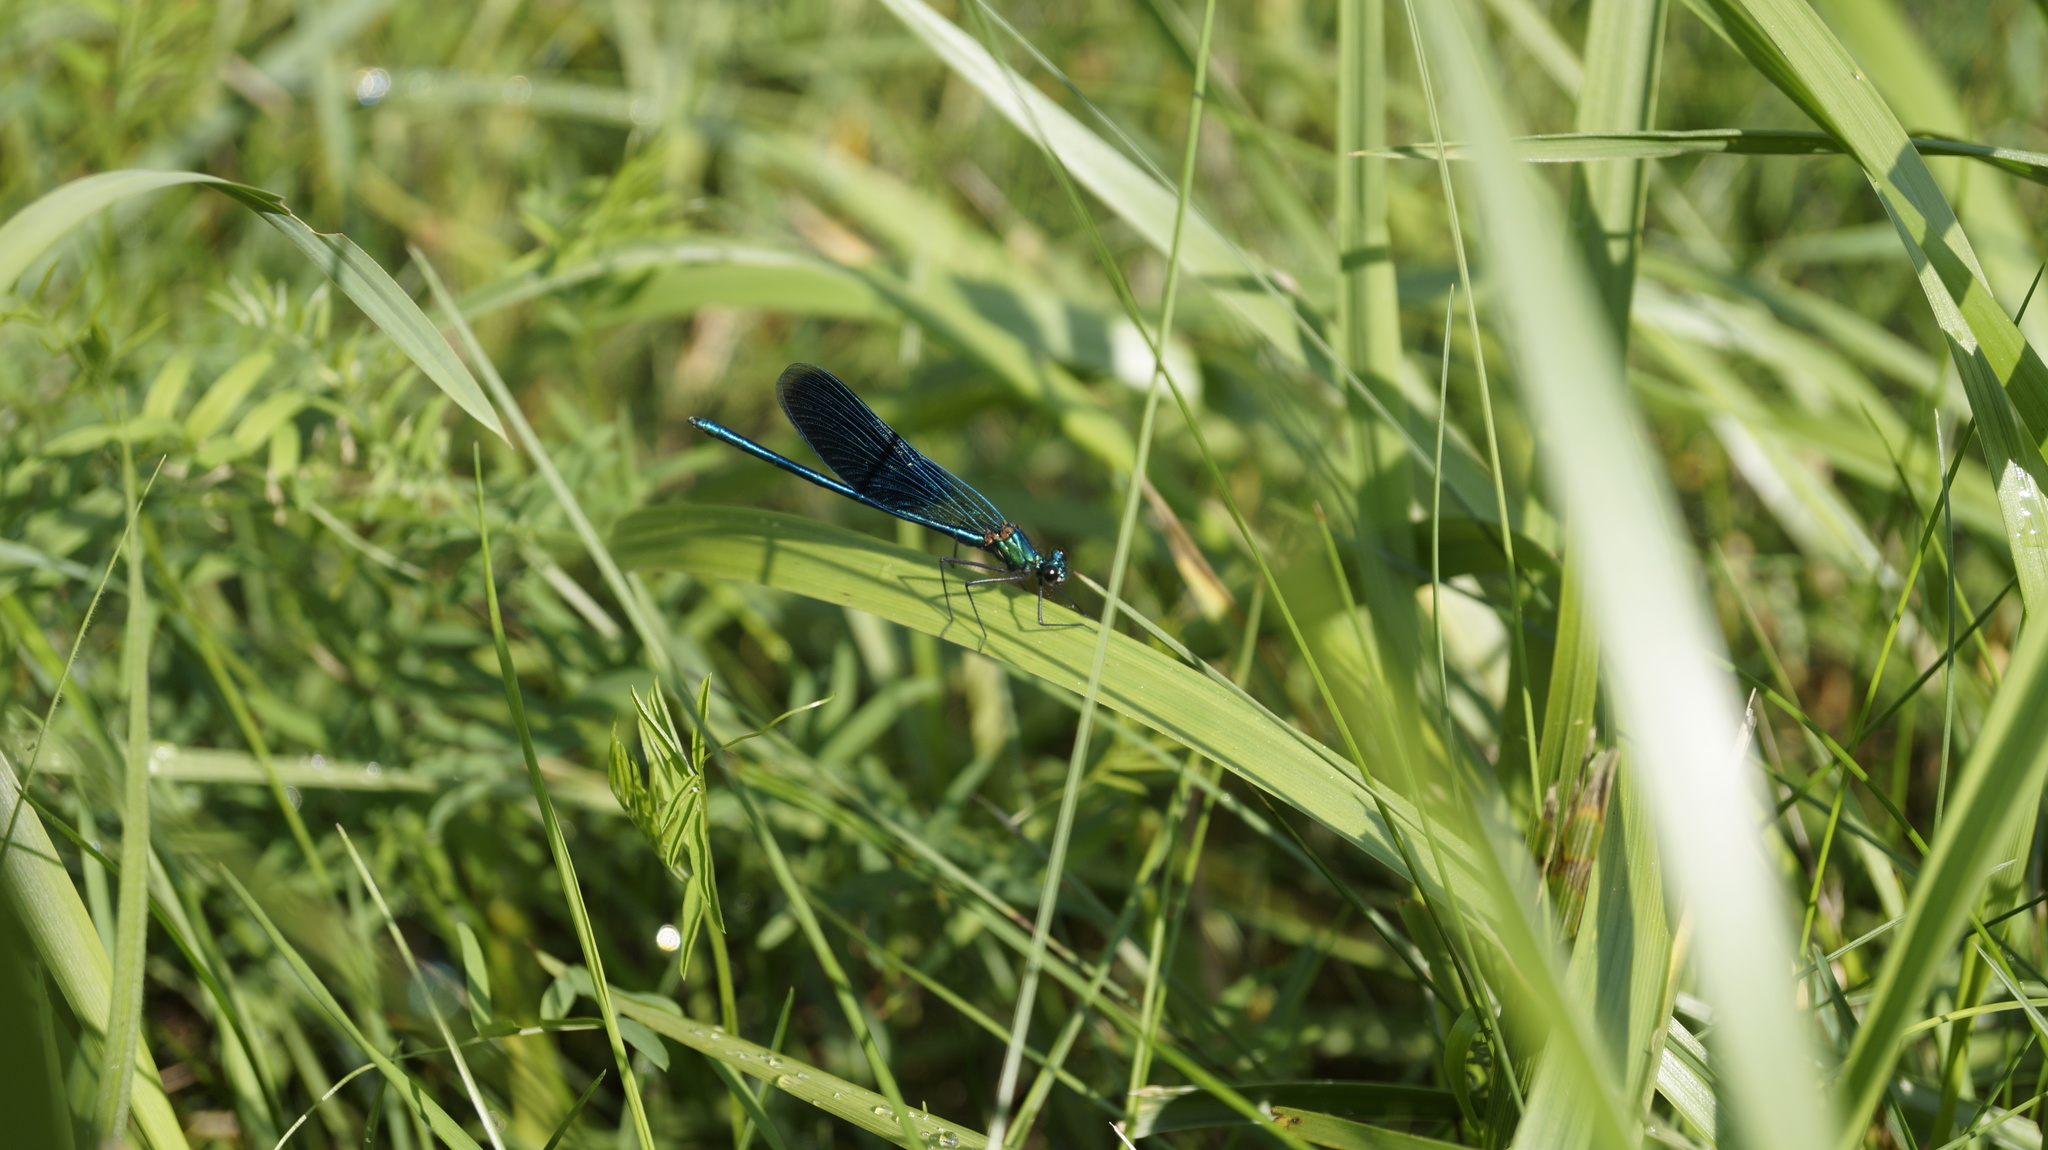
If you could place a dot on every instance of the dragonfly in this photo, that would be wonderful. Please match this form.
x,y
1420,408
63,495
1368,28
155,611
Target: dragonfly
x,y
877,467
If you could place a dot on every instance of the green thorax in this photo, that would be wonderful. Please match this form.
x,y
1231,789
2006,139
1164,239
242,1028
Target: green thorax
x,y
1014,549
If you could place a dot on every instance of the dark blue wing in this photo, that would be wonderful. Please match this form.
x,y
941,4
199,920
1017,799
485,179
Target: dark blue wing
x,y
872,458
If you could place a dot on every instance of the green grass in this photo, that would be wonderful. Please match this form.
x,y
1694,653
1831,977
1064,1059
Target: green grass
x,y
393,680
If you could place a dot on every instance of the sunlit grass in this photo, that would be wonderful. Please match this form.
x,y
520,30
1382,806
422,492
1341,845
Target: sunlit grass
x,y
1407,799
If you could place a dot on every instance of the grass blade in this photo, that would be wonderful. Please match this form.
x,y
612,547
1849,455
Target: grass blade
x,y
843,567
131,939
43,894
558,847
1655,633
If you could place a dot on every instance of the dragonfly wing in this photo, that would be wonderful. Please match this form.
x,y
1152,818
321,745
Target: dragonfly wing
x,y
873,458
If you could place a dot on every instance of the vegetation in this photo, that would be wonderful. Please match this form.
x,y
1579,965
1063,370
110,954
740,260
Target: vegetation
x,y
413,731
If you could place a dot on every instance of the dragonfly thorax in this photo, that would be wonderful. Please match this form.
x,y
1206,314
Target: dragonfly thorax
x,y
1010,545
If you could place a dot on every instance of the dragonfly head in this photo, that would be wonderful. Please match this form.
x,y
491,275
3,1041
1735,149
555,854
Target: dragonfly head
x,y
1054,570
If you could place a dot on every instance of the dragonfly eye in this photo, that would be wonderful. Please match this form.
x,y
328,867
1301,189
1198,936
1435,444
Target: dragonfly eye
x,y
1055,569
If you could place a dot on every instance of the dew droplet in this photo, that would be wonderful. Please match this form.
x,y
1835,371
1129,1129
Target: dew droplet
x,y
772,1060
946,1138
884,1111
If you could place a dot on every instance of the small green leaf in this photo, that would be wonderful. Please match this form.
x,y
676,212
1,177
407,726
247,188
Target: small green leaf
x,y
478,975
168,388
646,1041
226,394
1457,1048
264,419
557,999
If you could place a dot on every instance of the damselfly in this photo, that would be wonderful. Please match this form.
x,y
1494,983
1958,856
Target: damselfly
x,y
876,467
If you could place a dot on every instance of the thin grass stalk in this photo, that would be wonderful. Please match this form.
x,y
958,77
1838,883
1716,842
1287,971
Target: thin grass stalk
x,y
631,597
208,648
746,1133
1970,985
1149,996
1820,864
882,959
203,956
414,1100
1151,866
1173,898
1456,228
565,866
842,987
1077,762
1491,1024
476,1098
1932,523
1948,674
750,1104
35,748
131,939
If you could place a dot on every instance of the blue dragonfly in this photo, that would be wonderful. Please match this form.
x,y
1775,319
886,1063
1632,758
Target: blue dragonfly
x,y
878,468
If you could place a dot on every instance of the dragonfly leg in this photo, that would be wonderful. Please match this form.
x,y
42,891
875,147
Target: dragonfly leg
x,y
947,589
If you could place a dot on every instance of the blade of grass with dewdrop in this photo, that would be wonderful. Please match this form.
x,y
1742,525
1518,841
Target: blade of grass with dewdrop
x,y
1653,630
799,1079
31,232
131,939
558,847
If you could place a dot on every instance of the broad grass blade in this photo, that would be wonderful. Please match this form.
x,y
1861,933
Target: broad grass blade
x,y
838,566
47,900
1672,701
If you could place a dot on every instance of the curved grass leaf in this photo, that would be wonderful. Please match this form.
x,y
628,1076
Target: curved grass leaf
x,y
2006,379
843,567
31,232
